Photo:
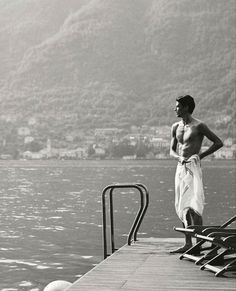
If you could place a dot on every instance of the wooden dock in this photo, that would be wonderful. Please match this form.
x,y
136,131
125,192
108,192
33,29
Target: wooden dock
x,y
147,265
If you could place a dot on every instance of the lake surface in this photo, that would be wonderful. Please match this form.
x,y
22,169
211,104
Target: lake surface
x,y
51,221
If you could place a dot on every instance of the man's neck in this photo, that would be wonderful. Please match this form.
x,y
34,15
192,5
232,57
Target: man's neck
x,y
187,119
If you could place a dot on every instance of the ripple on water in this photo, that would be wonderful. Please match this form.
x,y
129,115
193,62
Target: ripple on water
x,y
62,210
16,263
9,249
25,284
86,257
29,169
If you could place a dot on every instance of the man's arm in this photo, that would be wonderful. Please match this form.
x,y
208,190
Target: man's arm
x,y
174,142
217,143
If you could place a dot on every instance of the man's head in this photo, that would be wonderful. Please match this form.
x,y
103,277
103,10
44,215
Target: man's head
x,y
187,101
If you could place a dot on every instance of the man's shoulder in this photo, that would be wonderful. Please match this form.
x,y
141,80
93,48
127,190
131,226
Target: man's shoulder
x,y
176,124
174,127
200,126
199,122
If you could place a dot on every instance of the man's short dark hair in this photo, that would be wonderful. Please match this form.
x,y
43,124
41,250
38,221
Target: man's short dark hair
x,y
187,100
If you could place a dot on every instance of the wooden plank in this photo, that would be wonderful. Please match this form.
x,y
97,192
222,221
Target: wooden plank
x,y
147,265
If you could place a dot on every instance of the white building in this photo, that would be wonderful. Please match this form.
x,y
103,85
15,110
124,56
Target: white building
x,y
23,131
32,121
159,142
32,156
224,153
28,139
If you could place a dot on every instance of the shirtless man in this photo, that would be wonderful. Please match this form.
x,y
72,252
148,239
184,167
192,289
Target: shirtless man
x,y
187,135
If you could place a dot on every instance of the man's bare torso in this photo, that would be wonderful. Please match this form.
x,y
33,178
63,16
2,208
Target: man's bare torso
x,y
189,138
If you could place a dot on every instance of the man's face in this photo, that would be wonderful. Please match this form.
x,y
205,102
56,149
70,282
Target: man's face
x,y
180,109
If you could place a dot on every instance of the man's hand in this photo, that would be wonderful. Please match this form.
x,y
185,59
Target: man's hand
x,y
183,160
201,156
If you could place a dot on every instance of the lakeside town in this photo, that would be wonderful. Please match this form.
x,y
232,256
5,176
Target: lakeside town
x,y
143,142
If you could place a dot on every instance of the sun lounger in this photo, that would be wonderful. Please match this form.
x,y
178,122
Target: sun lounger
x,y
225,260
196,253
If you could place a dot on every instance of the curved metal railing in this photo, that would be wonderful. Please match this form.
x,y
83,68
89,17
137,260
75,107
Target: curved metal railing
x,y
144,201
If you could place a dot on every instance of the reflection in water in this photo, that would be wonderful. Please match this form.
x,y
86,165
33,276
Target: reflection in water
x,y
50,213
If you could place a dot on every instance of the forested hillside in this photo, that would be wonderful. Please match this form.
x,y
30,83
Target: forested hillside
x,y
75,64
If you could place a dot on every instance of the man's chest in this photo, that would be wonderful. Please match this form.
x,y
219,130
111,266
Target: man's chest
x,y
187,133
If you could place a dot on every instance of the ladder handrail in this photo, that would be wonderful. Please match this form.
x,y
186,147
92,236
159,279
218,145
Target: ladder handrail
x,y
144,210
138,219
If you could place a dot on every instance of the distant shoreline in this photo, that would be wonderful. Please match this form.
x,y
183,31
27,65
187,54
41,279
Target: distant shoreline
x,y
111,163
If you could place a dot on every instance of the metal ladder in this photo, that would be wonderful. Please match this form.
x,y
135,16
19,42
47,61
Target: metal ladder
x,y
144,201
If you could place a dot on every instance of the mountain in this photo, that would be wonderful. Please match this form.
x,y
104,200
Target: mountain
x,y
102,63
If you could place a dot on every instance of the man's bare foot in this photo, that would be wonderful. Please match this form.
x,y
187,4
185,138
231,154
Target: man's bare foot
x,y
181,250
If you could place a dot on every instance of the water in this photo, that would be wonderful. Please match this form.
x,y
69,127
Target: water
x,y
50,213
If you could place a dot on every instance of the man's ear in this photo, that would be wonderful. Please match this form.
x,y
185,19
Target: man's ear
x,y
186,107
